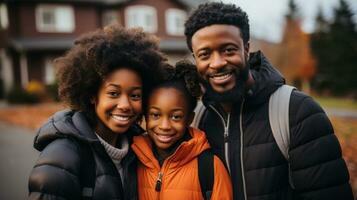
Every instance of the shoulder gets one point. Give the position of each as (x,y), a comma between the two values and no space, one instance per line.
(222,188)
(308,121)
(218,165)
(58,166)
(303,105)
(63,152)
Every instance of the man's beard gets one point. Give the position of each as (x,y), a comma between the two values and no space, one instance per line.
(236,94)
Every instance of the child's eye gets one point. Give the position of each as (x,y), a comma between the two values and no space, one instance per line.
(154,115)
(176,117)
(113,94)
(136,97)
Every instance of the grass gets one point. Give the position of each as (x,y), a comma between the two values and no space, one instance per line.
(334,102)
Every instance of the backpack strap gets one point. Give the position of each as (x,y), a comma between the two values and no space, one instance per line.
(206,173)
(199,111)
(279,117)
(279,121)
(87,174)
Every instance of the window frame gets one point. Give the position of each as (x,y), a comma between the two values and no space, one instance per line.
(4,16)
(173,14)
(56,27)
(114,14)
(141,12)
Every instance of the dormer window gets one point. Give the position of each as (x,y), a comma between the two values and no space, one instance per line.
(110,17)
(141,16)
(175,20)
(55,18)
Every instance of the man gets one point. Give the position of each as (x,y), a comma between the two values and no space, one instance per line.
(237,90)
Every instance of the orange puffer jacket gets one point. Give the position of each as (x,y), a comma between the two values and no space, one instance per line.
(179,171)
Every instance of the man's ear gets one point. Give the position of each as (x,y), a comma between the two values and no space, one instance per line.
(246,50)
(190,118)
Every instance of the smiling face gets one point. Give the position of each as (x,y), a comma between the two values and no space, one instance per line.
(167,117)
(118,103)
(220,55)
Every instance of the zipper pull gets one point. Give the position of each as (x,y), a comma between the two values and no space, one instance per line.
(158,182)
(225,138)
(226,129)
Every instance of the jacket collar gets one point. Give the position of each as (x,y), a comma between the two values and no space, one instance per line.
(74,124)
(185,152)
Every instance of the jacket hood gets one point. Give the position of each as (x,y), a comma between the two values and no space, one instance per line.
(266,79)
(69,124)
(187,150)
(64,124)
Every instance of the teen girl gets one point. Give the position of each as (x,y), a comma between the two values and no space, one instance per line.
(85,150)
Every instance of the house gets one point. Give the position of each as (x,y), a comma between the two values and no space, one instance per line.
(34,32)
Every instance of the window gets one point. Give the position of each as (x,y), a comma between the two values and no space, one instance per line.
(54,18)
(141,16)
(110,17)
(4,20)
(175,20)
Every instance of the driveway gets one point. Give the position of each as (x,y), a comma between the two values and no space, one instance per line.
(17,158)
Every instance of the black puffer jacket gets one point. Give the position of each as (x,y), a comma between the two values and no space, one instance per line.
(57,173)
(258,169)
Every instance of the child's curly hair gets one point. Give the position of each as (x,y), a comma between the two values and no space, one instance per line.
(216,13)
(183,77)
(95,55)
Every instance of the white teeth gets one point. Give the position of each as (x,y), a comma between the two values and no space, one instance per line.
(221,77)
(165,138)
(121,118)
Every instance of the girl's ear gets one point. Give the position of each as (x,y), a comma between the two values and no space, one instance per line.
(190,118)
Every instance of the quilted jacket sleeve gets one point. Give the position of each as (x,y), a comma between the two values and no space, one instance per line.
(55,175)
(222,187)
(318,170)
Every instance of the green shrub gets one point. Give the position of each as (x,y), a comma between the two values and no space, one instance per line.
(18,96)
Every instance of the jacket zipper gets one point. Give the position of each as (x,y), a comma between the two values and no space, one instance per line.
(226,134)
(159,182)
(158,185)
(241,149)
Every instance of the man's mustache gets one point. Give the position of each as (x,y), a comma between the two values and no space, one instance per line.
(226,70)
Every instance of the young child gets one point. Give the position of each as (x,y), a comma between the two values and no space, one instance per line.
(85,151)
(168,154)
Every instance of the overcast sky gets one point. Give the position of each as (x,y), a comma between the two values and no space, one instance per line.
(267,16)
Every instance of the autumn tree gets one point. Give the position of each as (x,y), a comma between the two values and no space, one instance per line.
(295,58)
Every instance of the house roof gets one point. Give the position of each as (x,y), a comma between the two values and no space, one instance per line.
(64,43)
(192,3)
(188,3)
(103,2)
(173,45)
(41,43)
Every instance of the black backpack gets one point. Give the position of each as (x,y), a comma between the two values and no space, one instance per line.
(87,174)
(206,173)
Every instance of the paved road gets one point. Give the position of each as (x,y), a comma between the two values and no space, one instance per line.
(336,112)
(17,158)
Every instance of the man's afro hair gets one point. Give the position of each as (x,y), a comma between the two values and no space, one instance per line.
(216,13)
